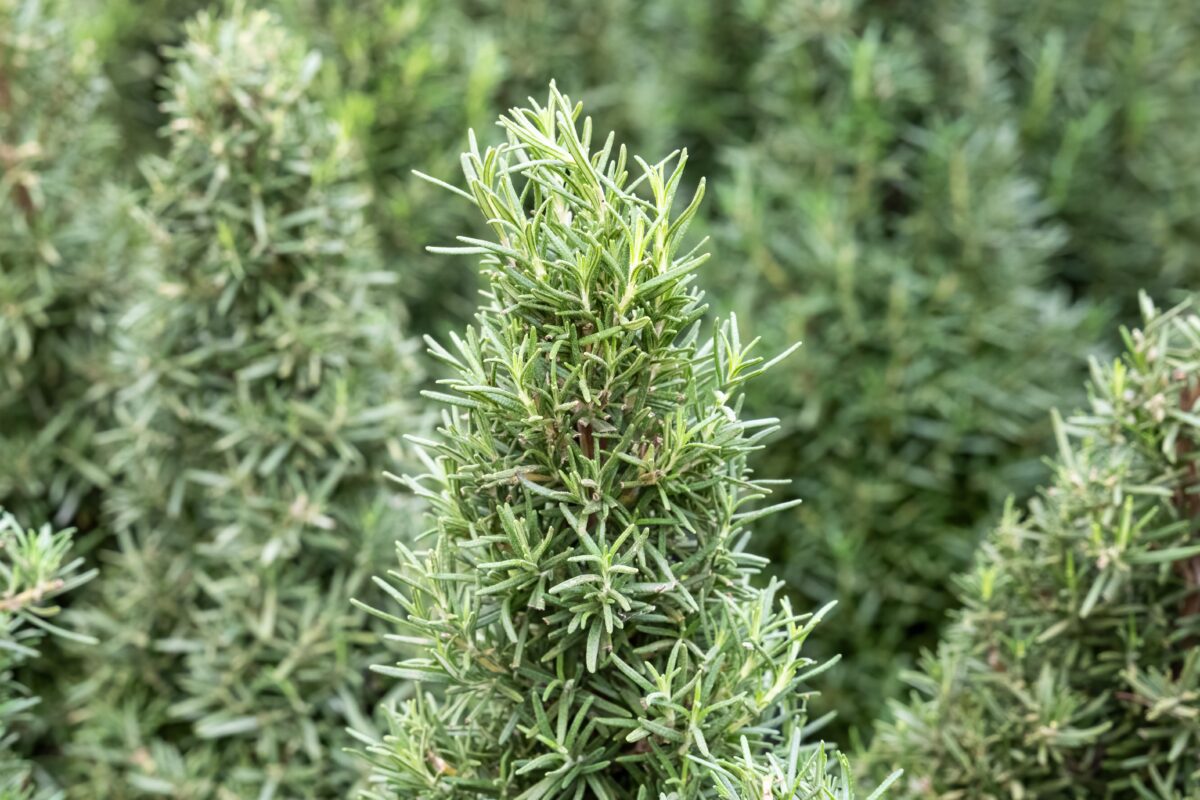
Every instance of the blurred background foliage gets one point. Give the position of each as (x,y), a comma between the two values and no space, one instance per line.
(65,237)
(949,203)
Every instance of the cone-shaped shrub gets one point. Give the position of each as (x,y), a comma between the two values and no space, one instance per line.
(266,387)
(1072,670)
(585,607)
(910,250)
(34,570)
(64,260)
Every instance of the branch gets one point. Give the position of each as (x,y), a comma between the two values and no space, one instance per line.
(18,601)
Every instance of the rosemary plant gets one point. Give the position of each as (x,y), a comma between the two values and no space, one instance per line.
(1072,670)
(585,612)
(34,570)
(266,386)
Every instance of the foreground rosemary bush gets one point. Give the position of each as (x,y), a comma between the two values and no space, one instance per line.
(585,609)
(66,258)
(1073,669)
(34,570)
(266,386)
(886,219)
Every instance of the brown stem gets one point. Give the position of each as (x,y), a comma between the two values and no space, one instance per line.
(1187,500)
(18,601)
(20,194)
(586,441)
(23,200)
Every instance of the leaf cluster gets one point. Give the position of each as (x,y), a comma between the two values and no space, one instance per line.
(35,569)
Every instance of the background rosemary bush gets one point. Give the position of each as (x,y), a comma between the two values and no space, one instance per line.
(68,253)
(1072,670)
(265,385)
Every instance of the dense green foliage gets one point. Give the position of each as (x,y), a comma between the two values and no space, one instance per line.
(34,570)
(920,174)
(585,606)
(66,256)
(407,76)
(264,393)
(937,194)
(902,240)
(1106,99)
(1072,670)
(945,201)
(407,80)
(420,72)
